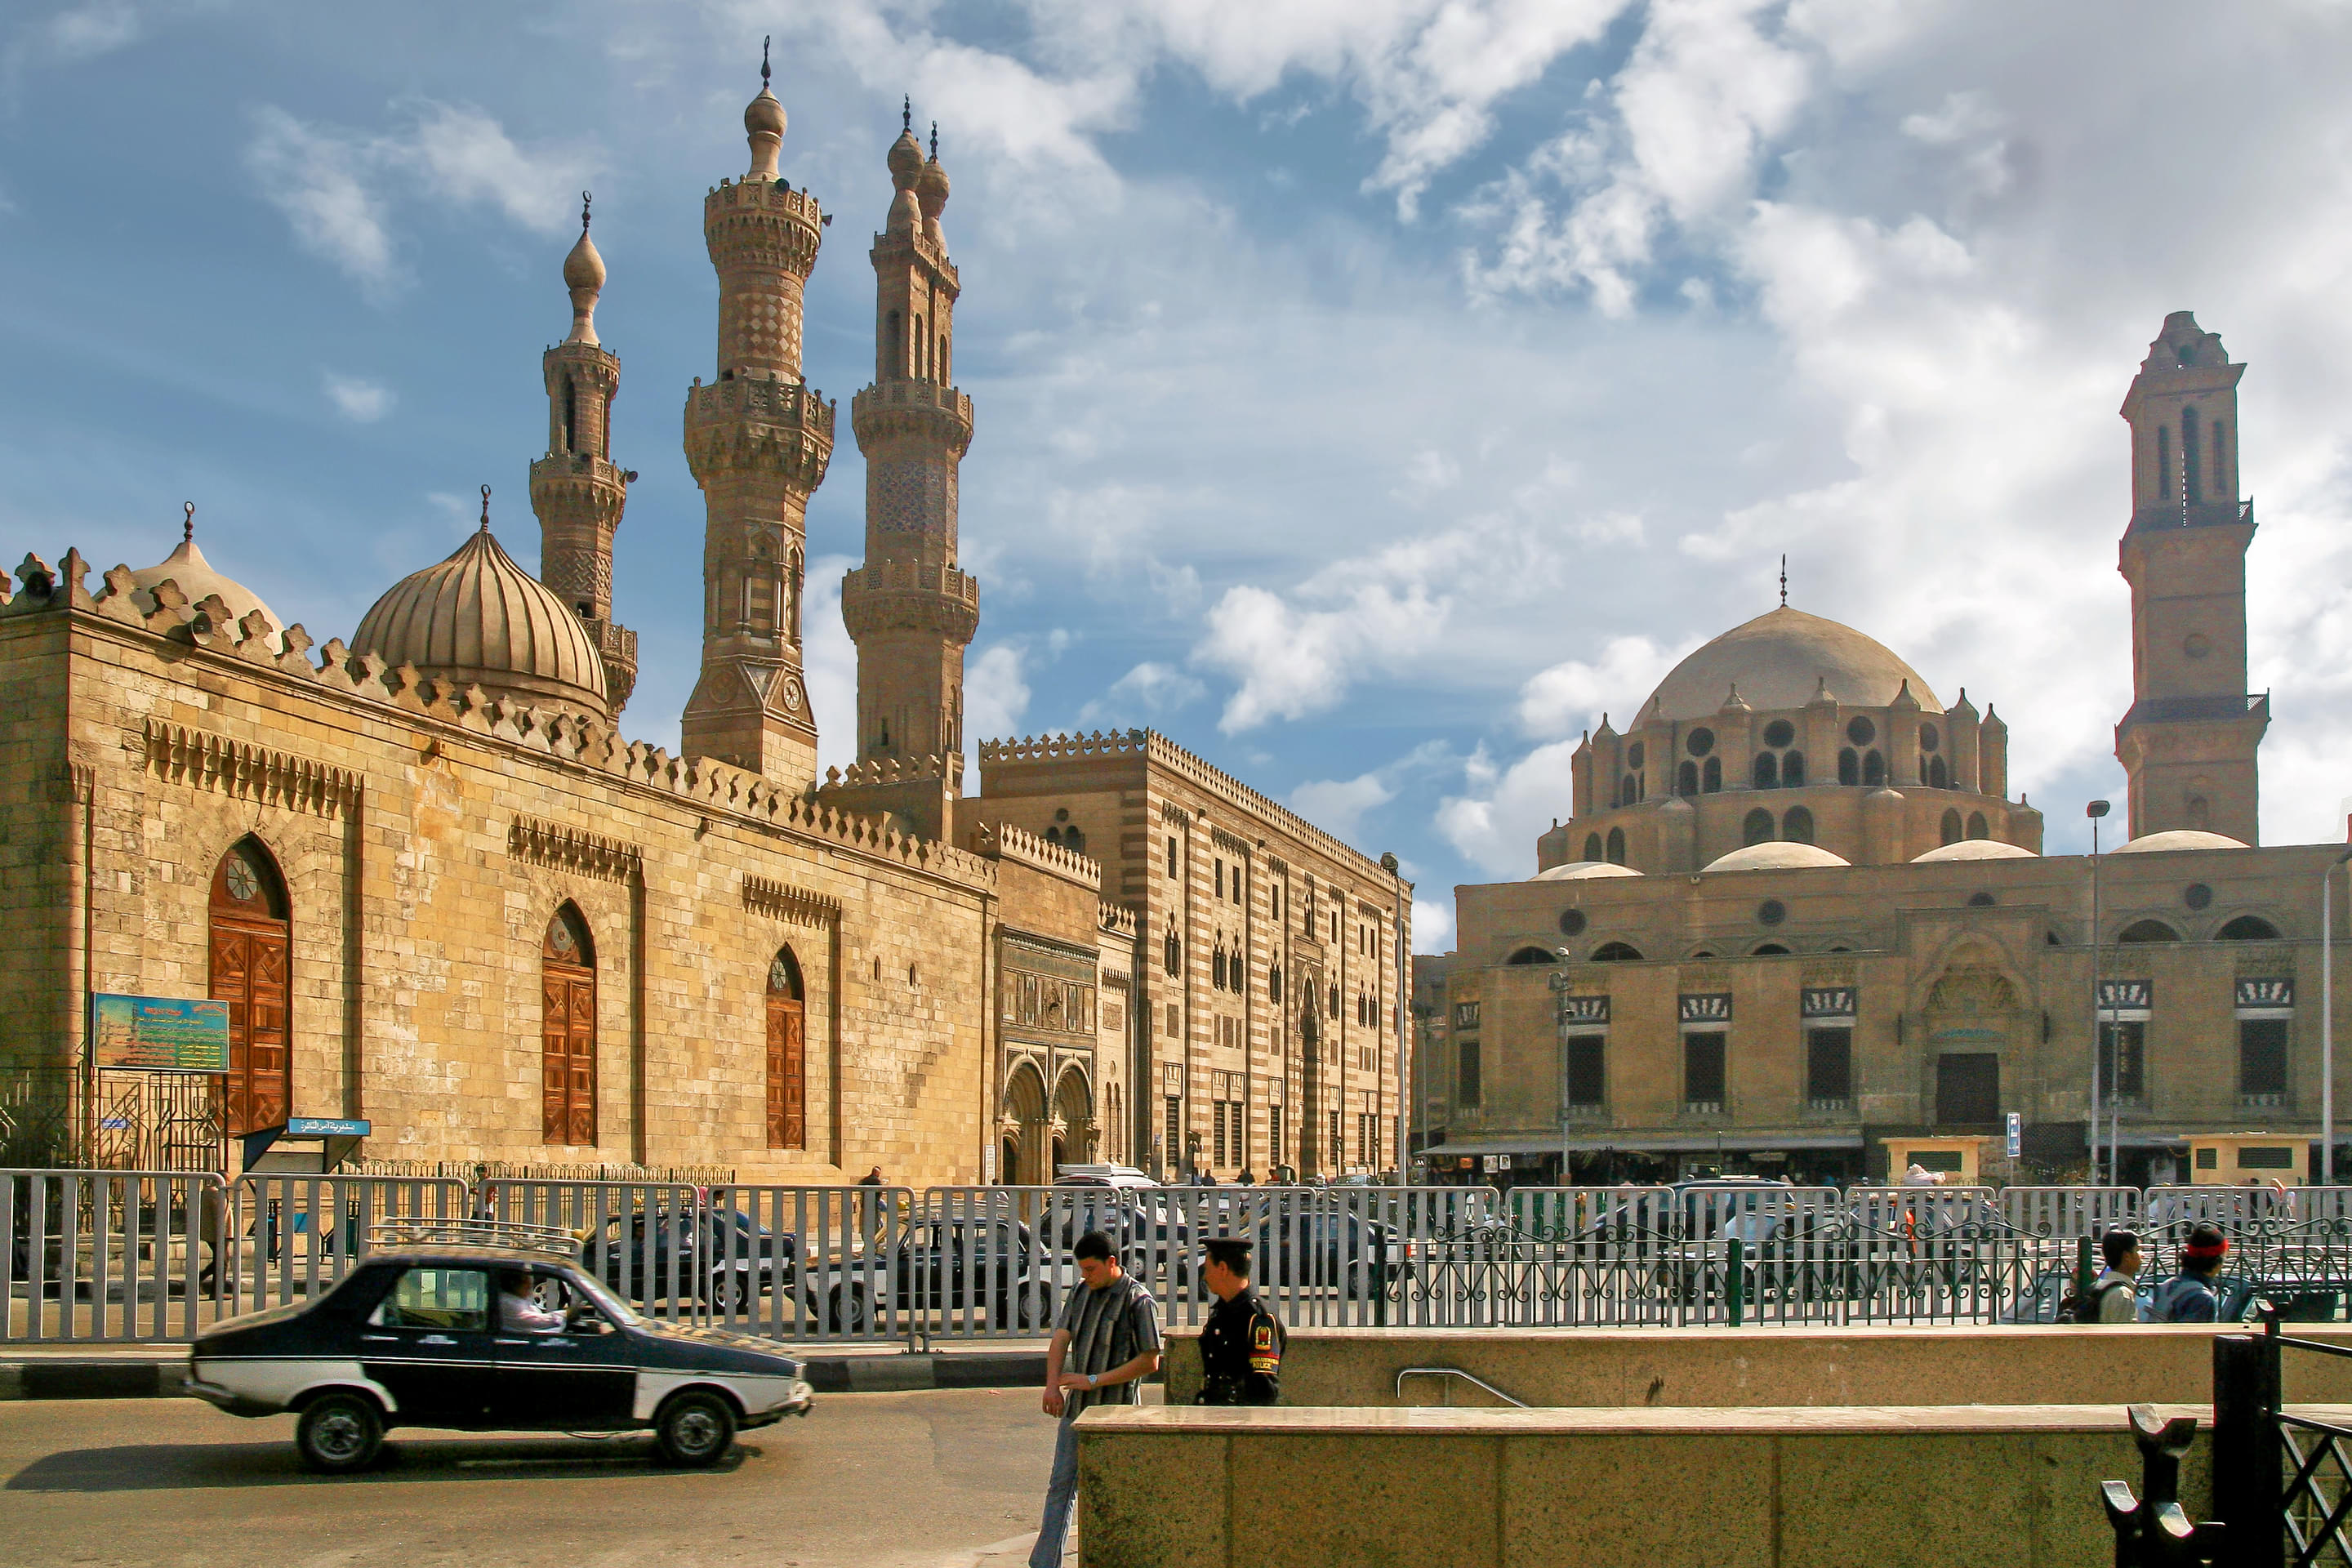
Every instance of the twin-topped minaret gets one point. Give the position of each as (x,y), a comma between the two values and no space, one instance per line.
(910,610)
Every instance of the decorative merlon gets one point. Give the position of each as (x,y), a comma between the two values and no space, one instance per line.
(1004,841)
(785,901)
(568,849)
(249,772)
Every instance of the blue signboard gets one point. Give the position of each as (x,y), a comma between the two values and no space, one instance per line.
(325,1127)
(159,1034)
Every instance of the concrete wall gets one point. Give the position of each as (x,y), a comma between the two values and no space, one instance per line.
(1731,1368)
(1773,1488)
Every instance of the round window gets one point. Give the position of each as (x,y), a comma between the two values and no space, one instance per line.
(1860,731)
(1571,922)
(243,885)
(1980,901)
(1699,742)
(2196,895)
(2197,645)
(1928,738)
(1779,732)
(1633,756)
(1772,912)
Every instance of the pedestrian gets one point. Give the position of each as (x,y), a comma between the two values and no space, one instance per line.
(872,1178)
(2115,1293)
(1107,1340)
(2192,1295)
(1242,1343)
(1249,1178)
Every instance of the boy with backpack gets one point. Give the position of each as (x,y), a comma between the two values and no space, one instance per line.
(2113,1294)
(2192,1296)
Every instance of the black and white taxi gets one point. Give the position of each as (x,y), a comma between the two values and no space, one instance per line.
(458,1333)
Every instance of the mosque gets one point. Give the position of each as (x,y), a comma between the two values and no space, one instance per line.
(450,910)
(1795,923)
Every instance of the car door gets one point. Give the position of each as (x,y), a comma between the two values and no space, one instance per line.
(581,1378)
(429,1344)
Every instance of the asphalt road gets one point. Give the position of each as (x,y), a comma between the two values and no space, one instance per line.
(869,1480)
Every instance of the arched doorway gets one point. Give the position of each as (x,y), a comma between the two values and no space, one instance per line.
(1074,1115)
(250,957)
(1024,1137)
(567,967)
(787,1054)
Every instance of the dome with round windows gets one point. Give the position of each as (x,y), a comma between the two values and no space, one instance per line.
(1782,659)
(1778,856)
(2178,838)
(1580,870)
(478,618)
(1974,849)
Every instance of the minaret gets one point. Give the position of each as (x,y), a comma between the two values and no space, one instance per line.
(576,490)
(2187,744)
(758,440)
(909,609)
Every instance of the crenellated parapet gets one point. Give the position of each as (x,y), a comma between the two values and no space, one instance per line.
(910,595)
(1002,840)
(758,428)
(912,410)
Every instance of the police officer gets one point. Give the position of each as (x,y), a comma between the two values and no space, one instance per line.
(1242,1343)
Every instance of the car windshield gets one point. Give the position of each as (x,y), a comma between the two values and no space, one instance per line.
(606,1303)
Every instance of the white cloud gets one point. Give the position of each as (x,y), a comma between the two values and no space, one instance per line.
(995,694)
(87,31)
(1573,694)
(1338,806)
(829,664)
(319,182)
(1433,925)
(1293,661)
(1148,692)
(464,156)
(360,401)
(1494,821)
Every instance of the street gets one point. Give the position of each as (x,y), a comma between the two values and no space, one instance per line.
(868,1481)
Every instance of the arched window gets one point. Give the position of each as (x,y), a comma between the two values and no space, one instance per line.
(1616,847)
(1053,835)
(2164,461)
(1593,847)
(2192,457)
(1334,1009)
(1792,769)
(897,336)
(1758,827)
(1273,983)
(570,415)
(250,960)
(1525,955)
(1712,775)
(2147,931)
(943,357)
(2248,928)
(2222,489)
(1936,774)
(567,1037)
(1977,827)
(2200,812)
(1217,970)
(1797,827)
(1615,952)
(1873,768)
(1766,773)
(1849,765)
(787,1054)
(1171,954)
(1686,779)
(1073,840)
(1952,830)
(1767,950)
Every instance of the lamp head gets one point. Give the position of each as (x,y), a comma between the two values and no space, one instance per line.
(2096,808)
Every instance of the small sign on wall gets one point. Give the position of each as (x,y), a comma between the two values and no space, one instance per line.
(159,1034)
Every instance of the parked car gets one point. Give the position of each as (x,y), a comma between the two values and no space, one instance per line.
(957,1265)
(1328,1249)
(729,1273)
(412,1337)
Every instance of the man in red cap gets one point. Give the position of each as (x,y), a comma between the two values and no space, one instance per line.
(2191,1295)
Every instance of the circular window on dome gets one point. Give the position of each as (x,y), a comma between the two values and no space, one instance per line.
(1928,738)
(1772,912)
(1779,732)
(1860,731)
(1699,742)
(1571,922)
(2197,645)
(1634,754)
(1980,900)
(2196,895)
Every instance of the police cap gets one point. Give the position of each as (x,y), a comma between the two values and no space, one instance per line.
(1233,1251)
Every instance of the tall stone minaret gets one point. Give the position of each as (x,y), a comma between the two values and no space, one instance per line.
(2187,744)
(576,490)
(909,609)
(758,440)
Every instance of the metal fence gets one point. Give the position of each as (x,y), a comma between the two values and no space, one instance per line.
(126,1254)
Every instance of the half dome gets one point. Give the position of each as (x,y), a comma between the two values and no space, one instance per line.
(1974,849)
(1778,856)
(2178,838)
(1579,870)
(187,570)
(1779,661)
(478,618)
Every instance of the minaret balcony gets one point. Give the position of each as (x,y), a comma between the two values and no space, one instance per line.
(892,410)
(910,595)
(760,424)
(763,223)
(577,465)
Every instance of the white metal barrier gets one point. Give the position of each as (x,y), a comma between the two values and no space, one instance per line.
(110,1254)
(2067,1213)
(294,1236)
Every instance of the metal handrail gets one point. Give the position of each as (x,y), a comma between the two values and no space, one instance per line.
(1466,1377)
(550,1240)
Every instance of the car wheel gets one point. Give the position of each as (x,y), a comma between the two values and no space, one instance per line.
(730,1294)
(850,1314)
(339,1433)
(694,1430)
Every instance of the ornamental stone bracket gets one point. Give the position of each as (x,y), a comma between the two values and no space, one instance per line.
(785,902)
(567,849)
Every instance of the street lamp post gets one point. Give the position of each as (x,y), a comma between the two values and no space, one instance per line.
(2095,811)
(1395,869)
(2327,1022)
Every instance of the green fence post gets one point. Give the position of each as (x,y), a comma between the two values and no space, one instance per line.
(1736,1288)
(2085,1276)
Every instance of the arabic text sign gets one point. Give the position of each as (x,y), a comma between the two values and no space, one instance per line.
(160,1034)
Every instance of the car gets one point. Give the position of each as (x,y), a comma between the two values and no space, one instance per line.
(412,1337)
(1101,1176)
(725,1258)
(958,1265)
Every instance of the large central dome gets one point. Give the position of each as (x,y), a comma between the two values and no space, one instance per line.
(1779,661)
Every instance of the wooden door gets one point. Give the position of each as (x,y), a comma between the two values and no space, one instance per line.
(249,966)
(568,1055)
(787,1074)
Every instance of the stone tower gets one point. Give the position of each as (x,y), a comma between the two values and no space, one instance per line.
(576,490)
(2187,744)
(908,608)
(758,440)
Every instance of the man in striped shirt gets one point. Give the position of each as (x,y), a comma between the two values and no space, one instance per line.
(1107,1340)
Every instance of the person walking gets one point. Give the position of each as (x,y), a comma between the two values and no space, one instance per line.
(2115,1293)
(1242,1343)
(872,1178)
(1107,1340)
(2193,1296)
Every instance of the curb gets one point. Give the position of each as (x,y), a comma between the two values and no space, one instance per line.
(123,1377)
(141,1377)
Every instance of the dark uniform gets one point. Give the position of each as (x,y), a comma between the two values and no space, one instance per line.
(1241,1354)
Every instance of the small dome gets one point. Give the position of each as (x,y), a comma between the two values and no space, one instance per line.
(478,617)
(906,158)
(1577,871)
(1974,849)
(1778,856)
(763,113)
(187,570)
(932,184)
(1780,660)
(583,269)
(2178,838)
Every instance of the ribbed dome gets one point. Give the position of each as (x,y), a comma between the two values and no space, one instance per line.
(2178,838)
(1582,870)
(1778,856)
(189,571)
(1974,849)
(478,617)
(1779,661)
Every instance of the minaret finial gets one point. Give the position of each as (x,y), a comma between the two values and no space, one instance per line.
(585,197)
(1784,581)
(763,59)
(907,114)
(188,528)
(935,140)
(485,508)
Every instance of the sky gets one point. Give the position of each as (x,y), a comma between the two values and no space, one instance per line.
(1370,393)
